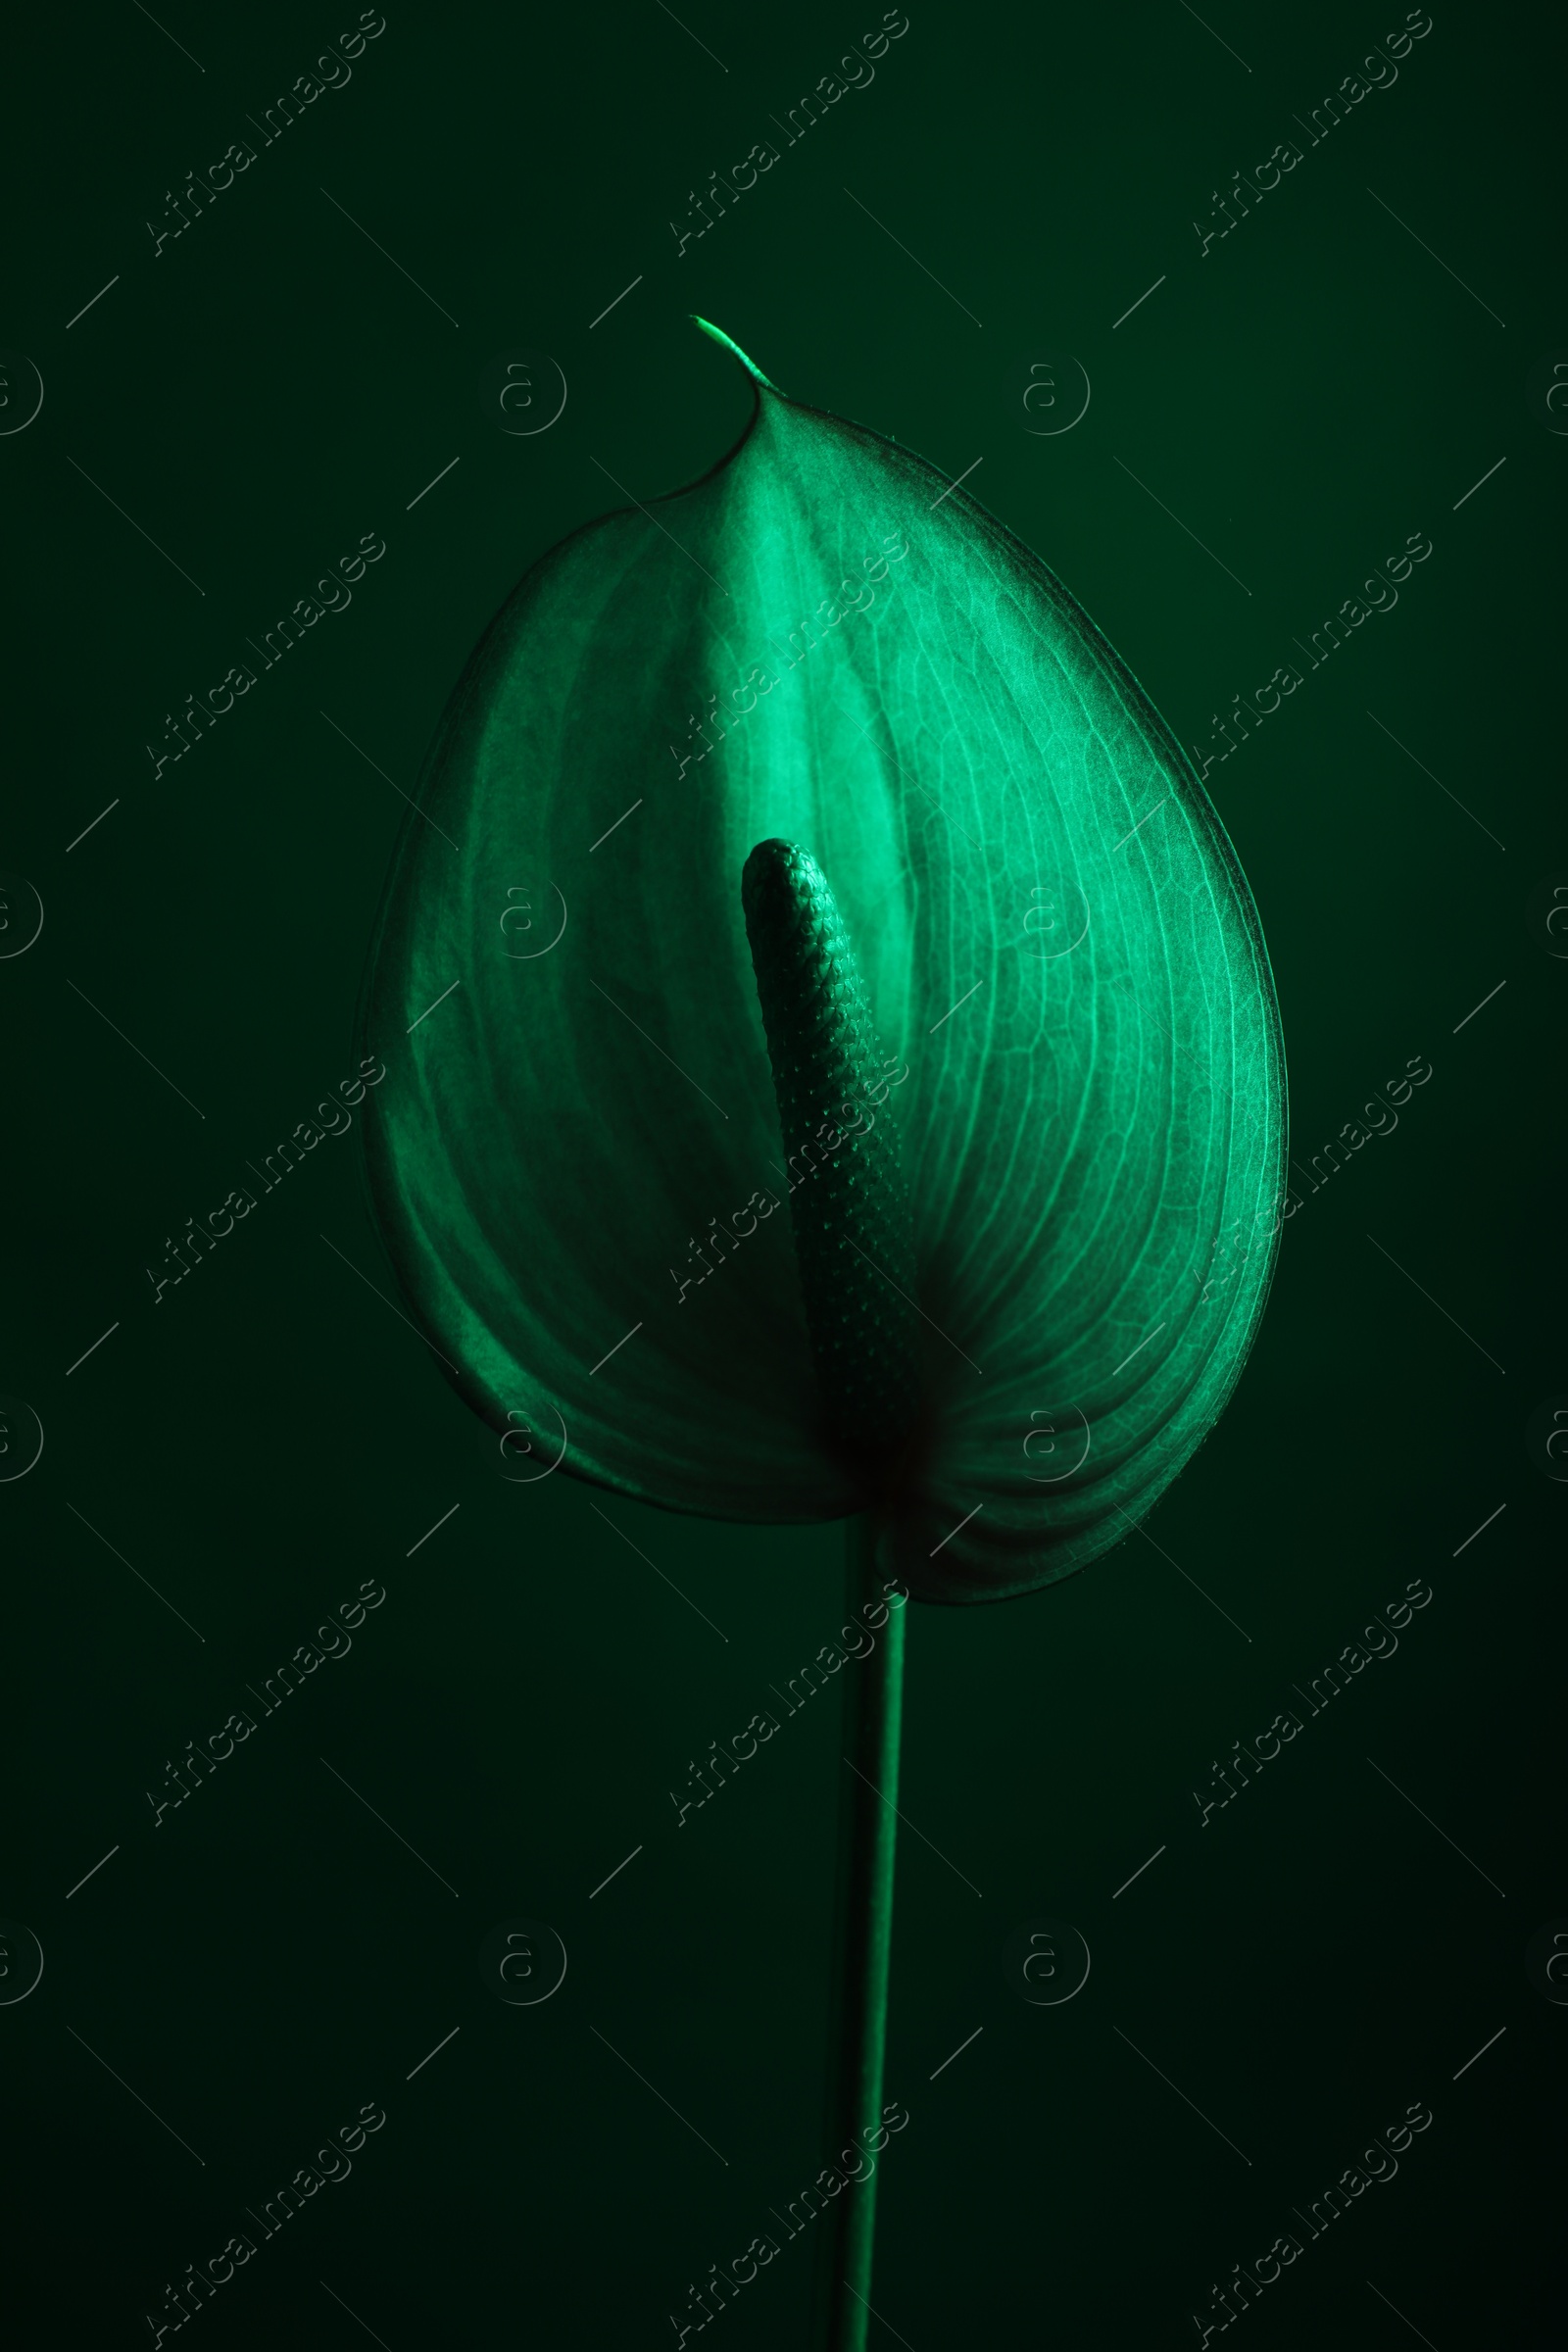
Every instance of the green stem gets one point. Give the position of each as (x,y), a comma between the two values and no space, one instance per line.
(873,1711)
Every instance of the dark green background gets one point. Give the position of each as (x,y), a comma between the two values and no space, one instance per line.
(271,388)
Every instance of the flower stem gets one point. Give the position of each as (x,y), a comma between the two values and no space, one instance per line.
(868,1822)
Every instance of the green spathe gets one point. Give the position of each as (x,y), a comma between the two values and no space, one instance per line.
(1055,939)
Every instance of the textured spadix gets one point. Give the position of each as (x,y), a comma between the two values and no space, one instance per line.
(580,1149)
(853,1242)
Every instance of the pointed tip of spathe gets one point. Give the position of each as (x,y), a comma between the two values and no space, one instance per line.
(730,345)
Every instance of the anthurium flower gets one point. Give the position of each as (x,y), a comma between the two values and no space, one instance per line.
(839,1073)
(1066,1090)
